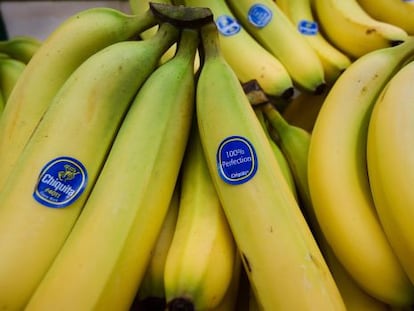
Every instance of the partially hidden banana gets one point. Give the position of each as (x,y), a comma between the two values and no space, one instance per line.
(200,260)
(247,57)
(104,259)
(395,12)
(275,242)
(11,70)
(20,47)
(71,43)
(56,171)
(151,292)
(352,30)
(300,13)
(390,163)
(270,26)
(338,179)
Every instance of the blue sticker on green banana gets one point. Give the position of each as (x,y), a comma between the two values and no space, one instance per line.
(227,25)
(236,160)
(61,182)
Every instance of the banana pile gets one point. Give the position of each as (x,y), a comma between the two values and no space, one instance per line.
(211,155)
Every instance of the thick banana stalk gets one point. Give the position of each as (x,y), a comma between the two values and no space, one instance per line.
(44,195)
(395,12)
(21,48)
(272,28)
(300,13)
(103,261)
(338,179)
(199,265)
(151,292)
(72,42)
(10,71)
(248,58)
(390,156)
(283,262)
(352,30)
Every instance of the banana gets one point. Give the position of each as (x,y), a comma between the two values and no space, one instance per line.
(200,260)
(21,47)
(72,42)
(300,13)
(338,180)
(151,292)
(275,242)
(10,71)
(270,26)
(249,59)
(390,163)
(57,169)
(104,258)
(395,12)
(352,30)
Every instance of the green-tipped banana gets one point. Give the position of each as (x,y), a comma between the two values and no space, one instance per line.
(300,13)
(21,48)
(276,245)
(338,179)
(272,28)
(151,292)
(10,71)
(52,179)
(199,265)
(103,261)
(352,30)
(390,163)
(248,58)
(71,43)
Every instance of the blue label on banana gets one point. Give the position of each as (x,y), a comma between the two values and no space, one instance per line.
(60,182)
(309,28)
(259,15)
(227,25)
(236,160)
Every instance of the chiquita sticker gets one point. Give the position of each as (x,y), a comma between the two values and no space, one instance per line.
(259,15)
(60,182)
(236,160)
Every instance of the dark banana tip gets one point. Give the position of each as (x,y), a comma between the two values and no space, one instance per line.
(396,42)
(182,16)
(180,304)
(149,304)
(288,93)
(320,89)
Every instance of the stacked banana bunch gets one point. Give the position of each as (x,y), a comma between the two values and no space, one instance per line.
(15,53)
(146,162)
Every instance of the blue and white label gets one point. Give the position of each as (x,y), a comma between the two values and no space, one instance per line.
(236,160)
(227,25)
(309,28)
(259,15)
(60,182)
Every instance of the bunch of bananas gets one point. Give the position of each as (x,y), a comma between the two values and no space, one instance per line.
(146,162)
(15,53)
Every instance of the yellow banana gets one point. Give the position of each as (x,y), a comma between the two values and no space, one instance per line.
(104,258)
(10,71)
(352,30)
(390,163)
(300,13)
(275,242)
(200,260)
(249,59)
(72,42)
(151,292)
(21,47)
(338,181)
(272,28)
(395,12)
(57,169)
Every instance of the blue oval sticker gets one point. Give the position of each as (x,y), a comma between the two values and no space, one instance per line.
(227,25)
(309,28)
(60,182)
(259,15)
(236,160)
